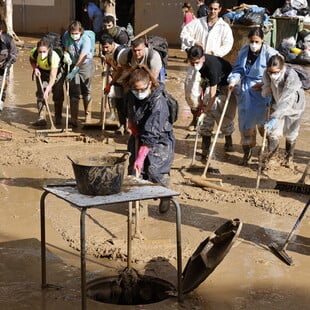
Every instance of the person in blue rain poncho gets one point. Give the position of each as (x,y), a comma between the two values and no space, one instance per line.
(288,106)
(246,80)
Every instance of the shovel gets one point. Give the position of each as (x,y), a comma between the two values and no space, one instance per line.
(203,181)
(280,250)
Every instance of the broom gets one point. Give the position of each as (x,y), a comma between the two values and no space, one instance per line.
(203,180)
(280,250)
(299,187)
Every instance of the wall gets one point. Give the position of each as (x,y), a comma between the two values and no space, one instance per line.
(167,13)
(40,16)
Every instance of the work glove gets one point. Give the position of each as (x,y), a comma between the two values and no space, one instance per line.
(46,92)
(73,73)
(37,72)
(270,125)
(201,118)
(107,89)
(138,164)
(67,59)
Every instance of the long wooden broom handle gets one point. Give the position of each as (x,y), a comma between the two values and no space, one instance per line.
(217,133)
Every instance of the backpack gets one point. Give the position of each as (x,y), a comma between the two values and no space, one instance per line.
(117,50)
(92,37)
(121,36)
(303,76)
(173,106)
(56,45)
(160,45)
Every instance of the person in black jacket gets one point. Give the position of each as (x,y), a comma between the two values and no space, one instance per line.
(152,141)
(8,55)
(202,8)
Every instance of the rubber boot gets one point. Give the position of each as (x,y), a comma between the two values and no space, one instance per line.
(41,122)
(58,105)
(247,151)
(87,109)
(112,115)
(205,145)
(289,152)
(193,123)
(273,145)
(74,111)
(121,111)
(228,146)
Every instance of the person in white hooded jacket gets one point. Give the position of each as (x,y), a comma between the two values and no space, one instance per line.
(215,36)
(288,106)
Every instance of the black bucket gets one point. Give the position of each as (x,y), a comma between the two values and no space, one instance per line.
(99,175)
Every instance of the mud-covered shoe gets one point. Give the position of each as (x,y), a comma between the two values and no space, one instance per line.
(228,146)
(40,123)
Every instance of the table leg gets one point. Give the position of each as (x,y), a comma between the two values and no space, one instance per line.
(179,248)
(83,259)
(43,241)
(129,235)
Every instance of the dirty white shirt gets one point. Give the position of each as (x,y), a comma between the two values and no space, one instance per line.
(218,41)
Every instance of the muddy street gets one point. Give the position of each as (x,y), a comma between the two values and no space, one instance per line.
(249,277)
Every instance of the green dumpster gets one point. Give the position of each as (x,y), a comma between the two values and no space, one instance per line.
(284,27)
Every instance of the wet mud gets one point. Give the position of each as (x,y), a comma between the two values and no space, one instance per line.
(249,277)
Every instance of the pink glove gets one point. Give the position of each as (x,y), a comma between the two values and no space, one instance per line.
(143,151)
(37,72)
(46,92)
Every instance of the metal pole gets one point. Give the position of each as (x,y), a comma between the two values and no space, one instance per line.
(43,242)
(179,248)
(129,235)
(83,260)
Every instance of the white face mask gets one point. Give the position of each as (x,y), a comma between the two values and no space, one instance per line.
(43,55)
(255,47)
(141,95)
(198,66)
(275,76)
(75,36)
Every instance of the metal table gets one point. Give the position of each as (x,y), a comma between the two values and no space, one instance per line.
(130,194)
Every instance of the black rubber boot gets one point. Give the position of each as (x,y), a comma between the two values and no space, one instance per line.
(228,146)
(205,145)
(74,111)
(58,105)
(247,154)
(289,152)
(193,123)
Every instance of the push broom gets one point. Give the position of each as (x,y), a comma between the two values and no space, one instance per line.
(203,180)
(280,250)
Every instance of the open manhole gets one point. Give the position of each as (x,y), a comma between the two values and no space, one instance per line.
(131,288)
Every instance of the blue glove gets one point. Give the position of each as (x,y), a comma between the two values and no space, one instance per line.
(73,73)
(67,59)
(270,125)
